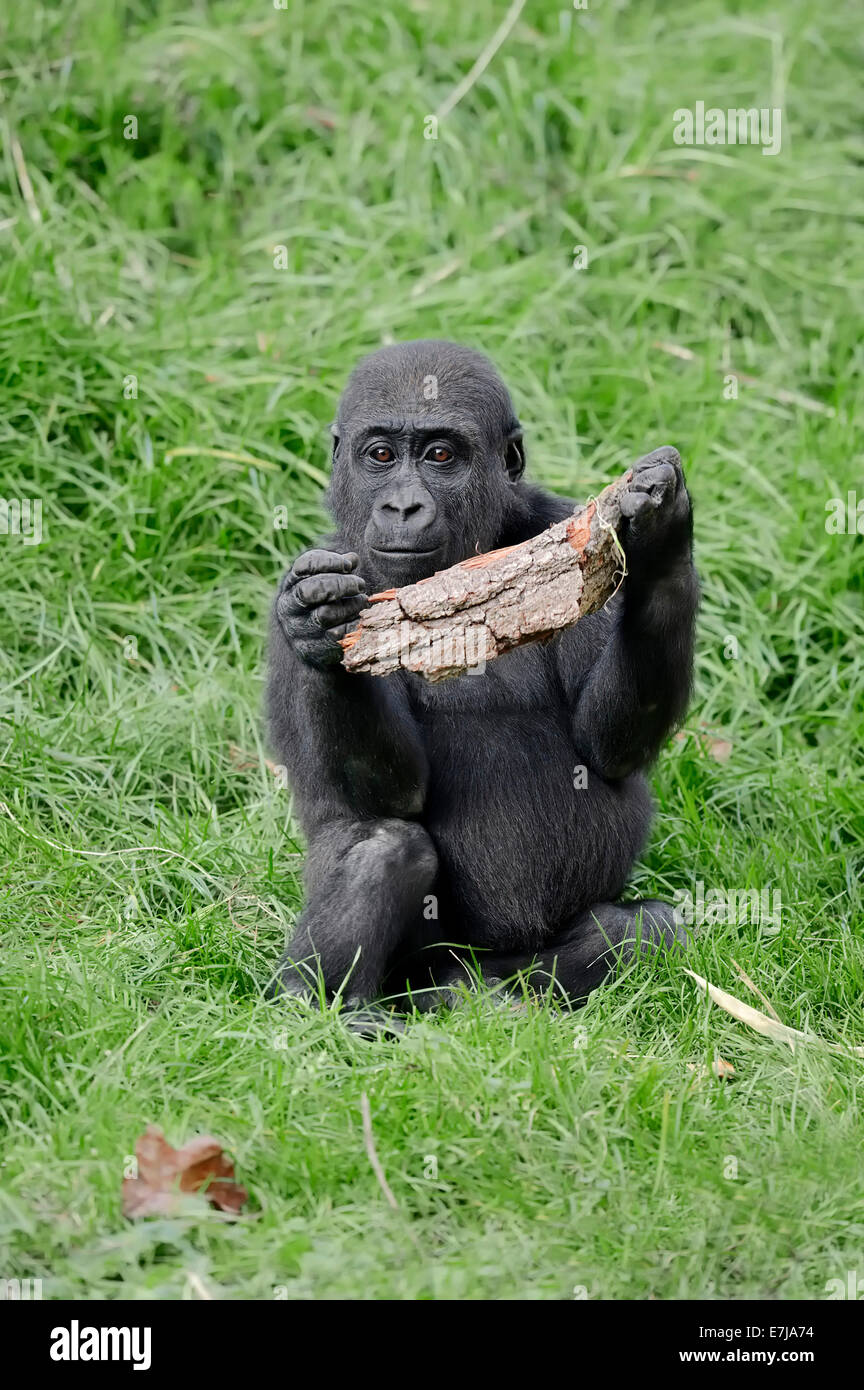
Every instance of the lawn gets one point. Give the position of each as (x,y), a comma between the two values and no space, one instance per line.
(167,376)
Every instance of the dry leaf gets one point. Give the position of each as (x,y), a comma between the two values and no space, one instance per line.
(243,761)
(719,1067)
(754,1018)
(166,1174)
(322,117)
(720,749)
(754,989)
(769,1027)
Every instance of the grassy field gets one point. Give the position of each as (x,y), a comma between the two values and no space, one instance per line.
(165,388)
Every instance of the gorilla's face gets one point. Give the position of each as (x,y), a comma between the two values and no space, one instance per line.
(413,471)
(427,451)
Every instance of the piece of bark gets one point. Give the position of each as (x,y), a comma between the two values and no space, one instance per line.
(457,619)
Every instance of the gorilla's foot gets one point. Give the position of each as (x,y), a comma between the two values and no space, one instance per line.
(581,956)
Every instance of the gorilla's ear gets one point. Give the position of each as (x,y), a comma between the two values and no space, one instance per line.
(334,430)
(514,457)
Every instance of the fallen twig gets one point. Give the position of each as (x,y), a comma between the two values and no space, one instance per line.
(369,1142)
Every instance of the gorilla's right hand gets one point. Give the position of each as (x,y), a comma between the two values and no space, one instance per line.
(319,599)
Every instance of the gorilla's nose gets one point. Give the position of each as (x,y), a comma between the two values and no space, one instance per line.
(405,511)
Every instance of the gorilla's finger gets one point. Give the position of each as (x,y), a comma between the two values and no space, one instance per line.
(327,588)
(325,562)
(301,625)
(330,615)
(663,477)
(634,504)
(665,454)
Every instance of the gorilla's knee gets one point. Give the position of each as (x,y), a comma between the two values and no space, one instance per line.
(399,847)
(660,928)
(647,927)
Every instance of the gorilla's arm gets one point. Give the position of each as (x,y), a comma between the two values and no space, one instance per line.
(637,687)
(349,742)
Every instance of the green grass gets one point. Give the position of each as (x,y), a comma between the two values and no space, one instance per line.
(150,877)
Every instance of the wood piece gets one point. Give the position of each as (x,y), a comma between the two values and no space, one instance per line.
(458,619)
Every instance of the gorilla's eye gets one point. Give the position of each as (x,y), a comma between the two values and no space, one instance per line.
(439,454)
(381,453)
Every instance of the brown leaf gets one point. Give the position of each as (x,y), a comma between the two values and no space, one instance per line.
(719,1068)
(243,761)
(720,749)
(166,1174)
(322,117)
(240,759)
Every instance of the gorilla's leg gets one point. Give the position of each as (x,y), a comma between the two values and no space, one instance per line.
(365,884)
(579,958)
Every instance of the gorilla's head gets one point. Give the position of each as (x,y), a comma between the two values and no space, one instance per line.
(427,458)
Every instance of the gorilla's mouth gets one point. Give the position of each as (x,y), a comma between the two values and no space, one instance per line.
(419,554)
(398,565)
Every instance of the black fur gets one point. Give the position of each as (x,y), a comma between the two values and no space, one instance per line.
(451,813)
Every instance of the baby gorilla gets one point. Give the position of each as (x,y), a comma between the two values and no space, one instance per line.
(487,823)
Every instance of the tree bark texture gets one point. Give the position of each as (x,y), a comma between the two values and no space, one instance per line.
(460,618)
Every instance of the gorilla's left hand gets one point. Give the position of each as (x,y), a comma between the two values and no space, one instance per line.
(658,526)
